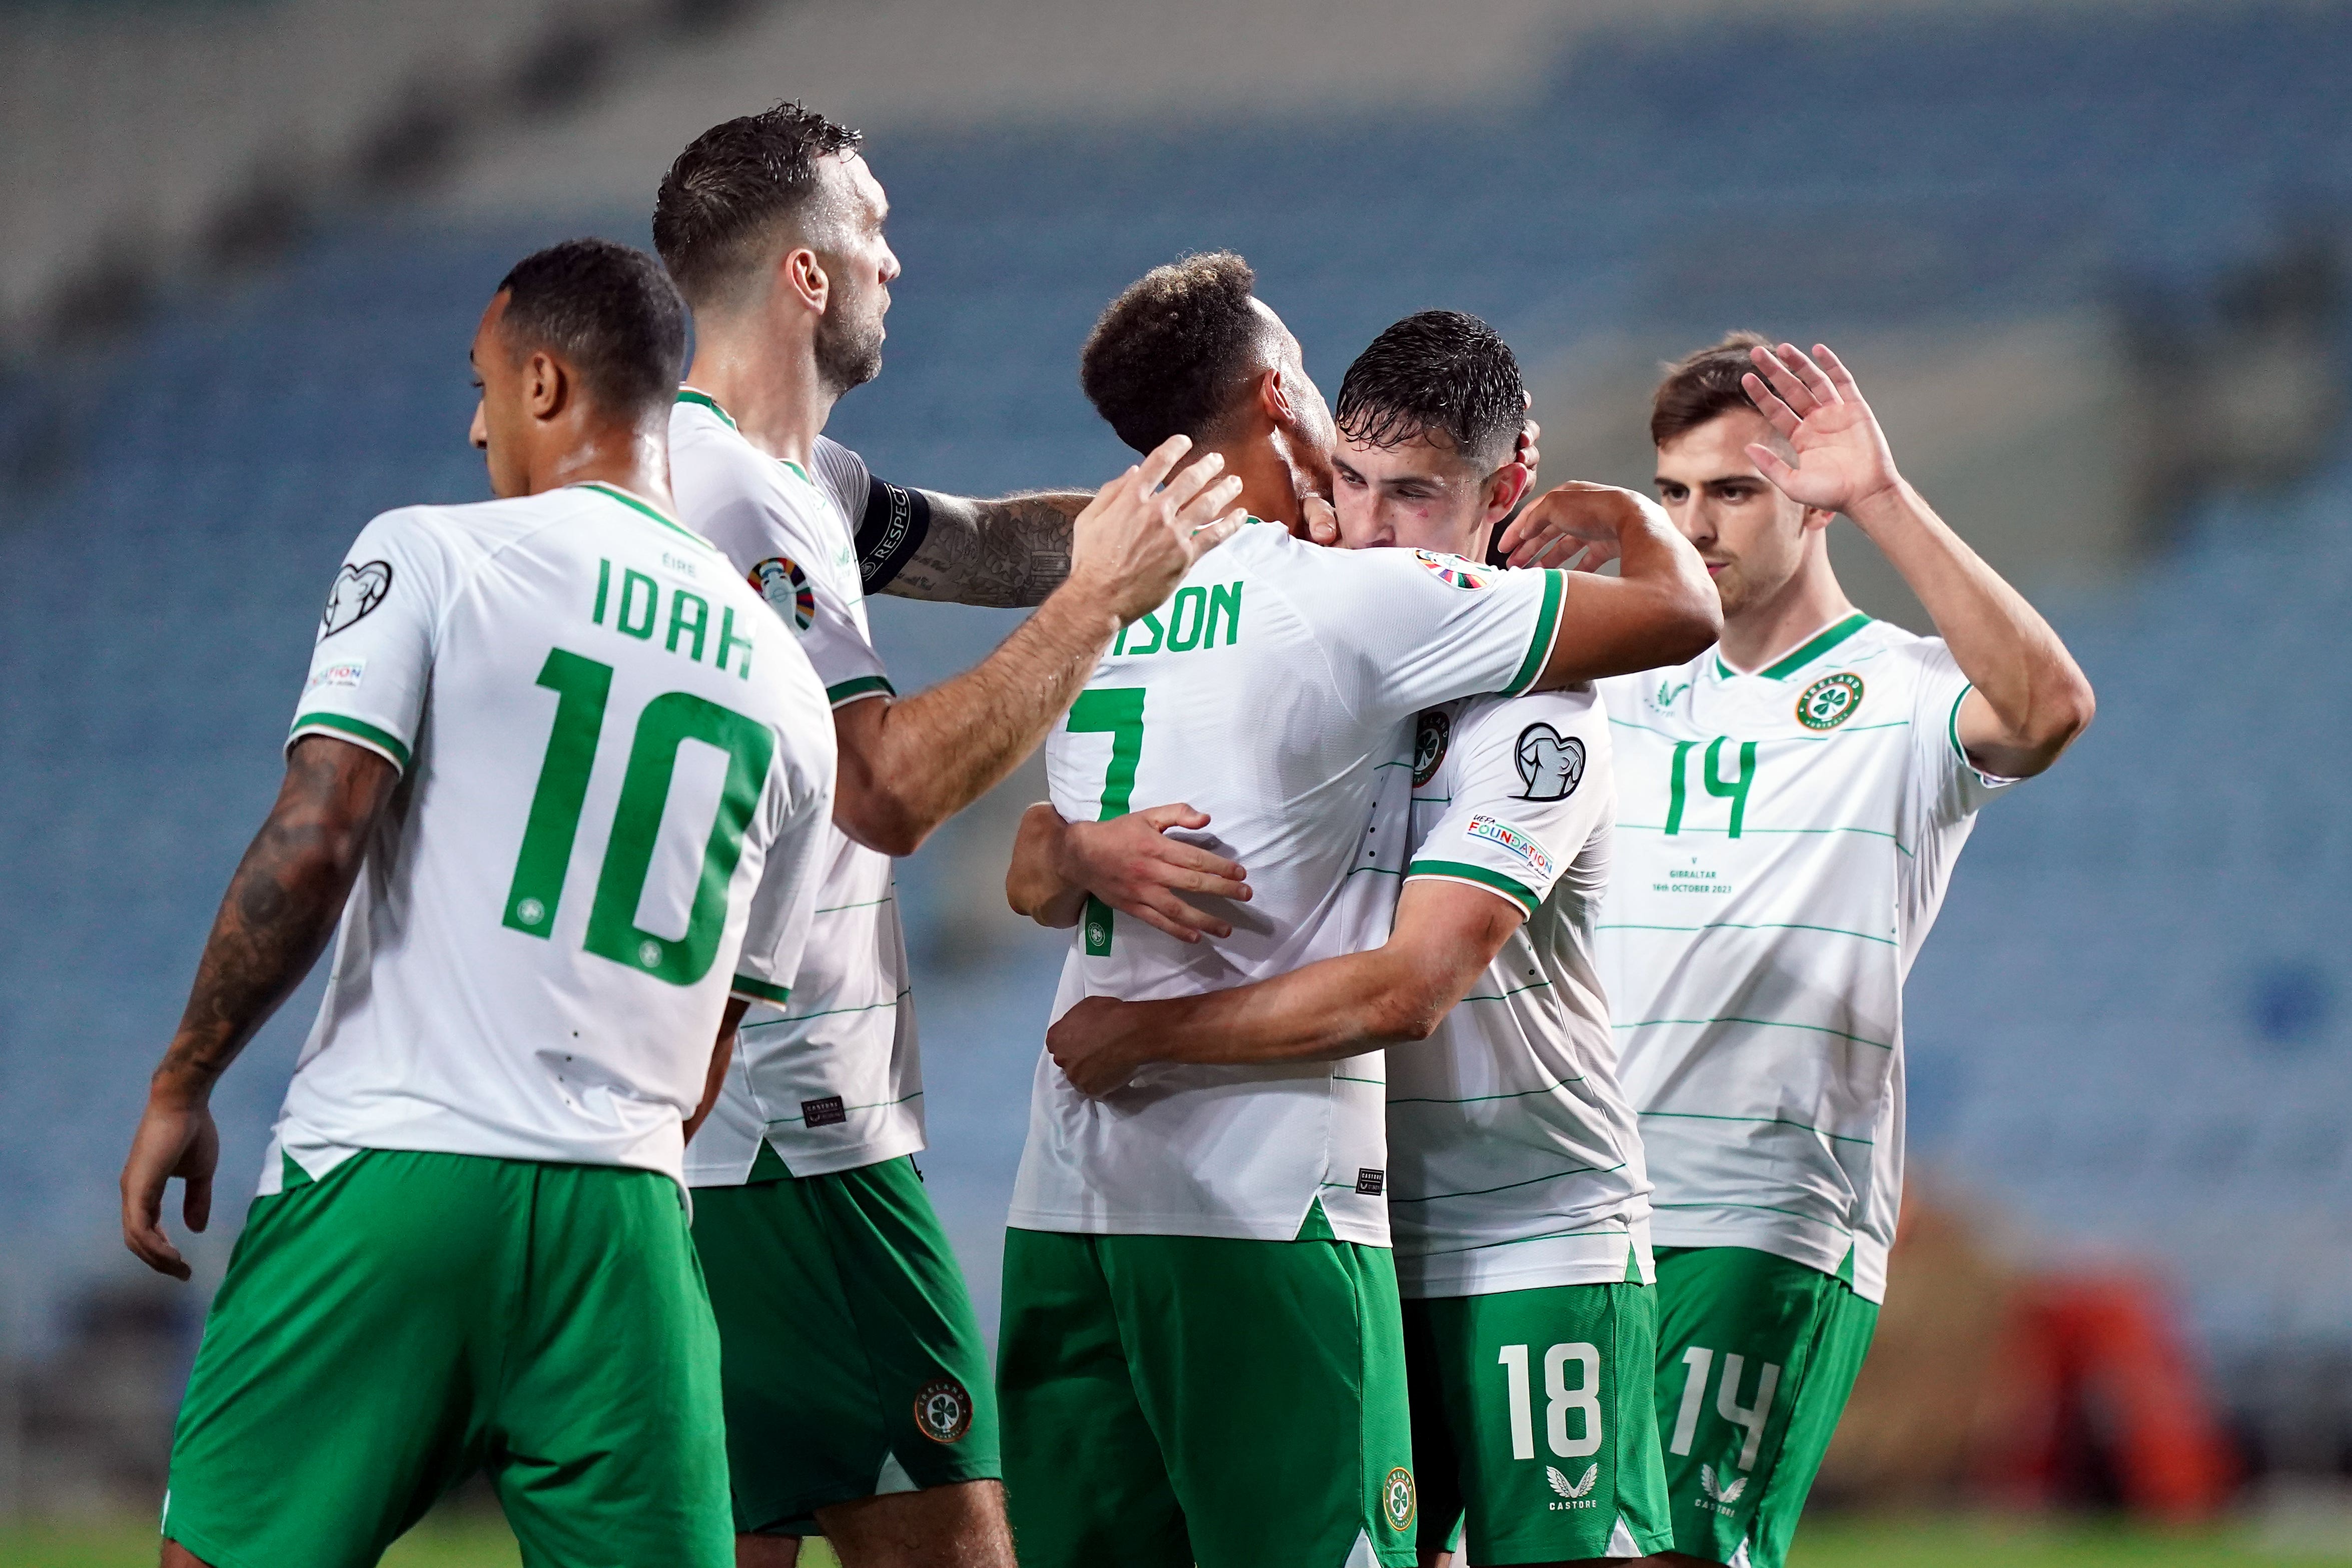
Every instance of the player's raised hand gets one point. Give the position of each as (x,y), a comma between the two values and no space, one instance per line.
(1578,515)
(1142,531)
(175,1139)
(1130,864)
(1094,1046)
(1843,458)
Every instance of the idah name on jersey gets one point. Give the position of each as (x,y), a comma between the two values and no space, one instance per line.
(526,984)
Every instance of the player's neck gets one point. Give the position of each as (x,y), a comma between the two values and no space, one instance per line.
(776,399)
(1762,634)
(1269,483)
(635,459)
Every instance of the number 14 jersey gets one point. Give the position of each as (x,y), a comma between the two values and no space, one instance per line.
(616,766)
(1784,839)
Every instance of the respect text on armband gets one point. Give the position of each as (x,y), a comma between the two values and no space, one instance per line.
(633,604)
(1191,620)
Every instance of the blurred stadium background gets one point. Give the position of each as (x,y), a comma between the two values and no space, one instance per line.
(2089,259)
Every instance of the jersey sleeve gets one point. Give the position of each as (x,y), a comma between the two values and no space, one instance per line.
(776,533)
(891,521)
(1531,783)
(372,663)
(1944,786)
(783,905)
(1407,629)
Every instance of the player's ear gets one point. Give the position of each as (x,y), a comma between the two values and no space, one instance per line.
(546,385)
(804,275)
(1505,488)
(1815,518)
(1273,397)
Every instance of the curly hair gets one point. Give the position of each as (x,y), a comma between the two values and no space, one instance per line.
(1171,354)
(722,200)
(1436,370)
(1704,386)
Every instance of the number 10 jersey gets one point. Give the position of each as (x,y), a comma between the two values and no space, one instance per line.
(615,768)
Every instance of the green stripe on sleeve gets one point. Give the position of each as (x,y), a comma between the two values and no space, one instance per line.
(1547,631)
(863,686)
(352,729)
(761,991)
(1463,871)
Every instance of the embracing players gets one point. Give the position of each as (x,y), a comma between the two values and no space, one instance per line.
(1514,1178)
(1202,1357)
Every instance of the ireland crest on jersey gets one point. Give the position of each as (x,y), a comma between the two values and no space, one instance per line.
(1829,702)
(1397,1500)
(1429,739)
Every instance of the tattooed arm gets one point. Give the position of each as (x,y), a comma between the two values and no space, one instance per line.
(1007,553)
(281,907)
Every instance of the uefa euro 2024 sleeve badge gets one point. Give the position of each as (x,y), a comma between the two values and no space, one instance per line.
(780,581)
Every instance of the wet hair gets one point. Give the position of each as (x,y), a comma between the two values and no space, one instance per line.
(1704,386)
(609,311)
(734,187)
(1437,371)
(1172,354)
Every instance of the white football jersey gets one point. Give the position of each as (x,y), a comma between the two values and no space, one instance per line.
(1783,843)
(1513,1157)
(617,769)
(833,1081)
(1269,691)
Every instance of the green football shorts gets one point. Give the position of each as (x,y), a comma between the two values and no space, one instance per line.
(410,1318)
(853,1364)
(1172,1400)
(1755,1356)
(1534,1418)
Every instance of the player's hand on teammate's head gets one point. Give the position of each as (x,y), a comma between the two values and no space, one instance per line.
(1142,531)
(1319,523)
(1091,1044)
(1130,864)
(173,1139)
(1813,402)
(1576,516)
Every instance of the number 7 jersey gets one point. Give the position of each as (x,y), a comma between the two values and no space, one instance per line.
(1273,690)
(615,768)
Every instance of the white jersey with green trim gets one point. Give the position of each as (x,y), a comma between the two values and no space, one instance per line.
(1514,1160)
(616,771)
(833,1081)
(1783,843)
(1270,692)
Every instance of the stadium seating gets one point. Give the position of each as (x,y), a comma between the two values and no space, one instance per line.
(2130,1030)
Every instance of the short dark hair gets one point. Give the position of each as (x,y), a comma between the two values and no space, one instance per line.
(609,310)
(724,198)
(1704,386)
(1436,370)
(1171,354)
